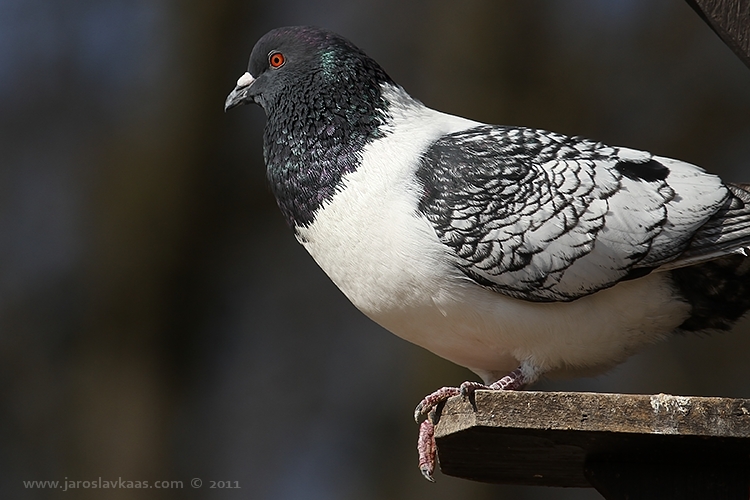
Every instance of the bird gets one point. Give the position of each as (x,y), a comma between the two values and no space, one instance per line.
(512,251)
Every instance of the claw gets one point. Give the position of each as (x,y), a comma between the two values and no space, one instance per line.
(468,388)
(427,473)
(418,412)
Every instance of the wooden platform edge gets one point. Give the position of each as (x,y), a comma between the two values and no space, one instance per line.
(582,411)
(574,439)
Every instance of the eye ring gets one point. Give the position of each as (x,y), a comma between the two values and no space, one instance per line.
(276,59)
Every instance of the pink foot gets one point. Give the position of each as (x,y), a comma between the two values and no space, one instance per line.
(426,446)
(426,449)
(432,400)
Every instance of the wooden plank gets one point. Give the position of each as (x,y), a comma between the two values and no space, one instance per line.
(730,19)
(557,438)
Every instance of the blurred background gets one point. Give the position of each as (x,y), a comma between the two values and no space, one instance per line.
(157,318)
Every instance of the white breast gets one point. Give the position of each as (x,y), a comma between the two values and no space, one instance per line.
(369,238)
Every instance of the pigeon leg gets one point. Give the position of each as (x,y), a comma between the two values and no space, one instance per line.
(426,446)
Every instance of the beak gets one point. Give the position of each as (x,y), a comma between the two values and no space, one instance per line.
(239,94)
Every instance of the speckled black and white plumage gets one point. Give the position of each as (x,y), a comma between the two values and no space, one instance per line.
(529,213)
(495,247)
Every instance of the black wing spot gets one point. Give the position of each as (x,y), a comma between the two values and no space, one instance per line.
(649,171)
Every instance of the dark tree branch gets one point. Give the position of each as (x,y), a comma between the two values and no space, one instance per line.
(730,19)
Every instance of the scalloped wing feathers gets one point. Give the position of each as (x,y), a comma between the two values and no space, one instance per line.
(545,217)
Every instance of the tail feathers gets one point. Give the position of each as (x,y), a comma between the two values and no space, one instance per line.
(717,291)
(713,273)
(725,233)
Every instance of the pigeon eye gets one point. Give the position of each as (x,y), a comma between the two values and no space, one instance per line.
(276,59)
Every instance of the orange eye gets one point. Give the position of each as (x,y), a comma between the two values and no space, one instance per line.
(276,59)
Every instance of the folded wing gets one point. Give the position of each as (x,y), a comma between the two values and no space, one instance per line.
(544,217)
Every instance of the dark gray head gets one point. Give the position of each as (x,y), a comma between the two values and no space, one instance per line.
(302,61)
(324,103)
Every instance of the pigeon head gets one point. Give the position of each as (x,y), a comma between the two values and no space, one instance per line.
(303,64)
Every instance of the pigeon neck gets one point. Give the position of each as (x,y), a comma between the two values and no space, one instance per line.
(312,140)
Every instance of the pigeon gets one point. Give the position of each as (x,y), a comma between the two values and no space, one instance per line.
(512,251)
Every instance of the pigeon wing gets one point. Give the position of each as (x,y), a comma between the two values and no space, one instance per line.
(545,217)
